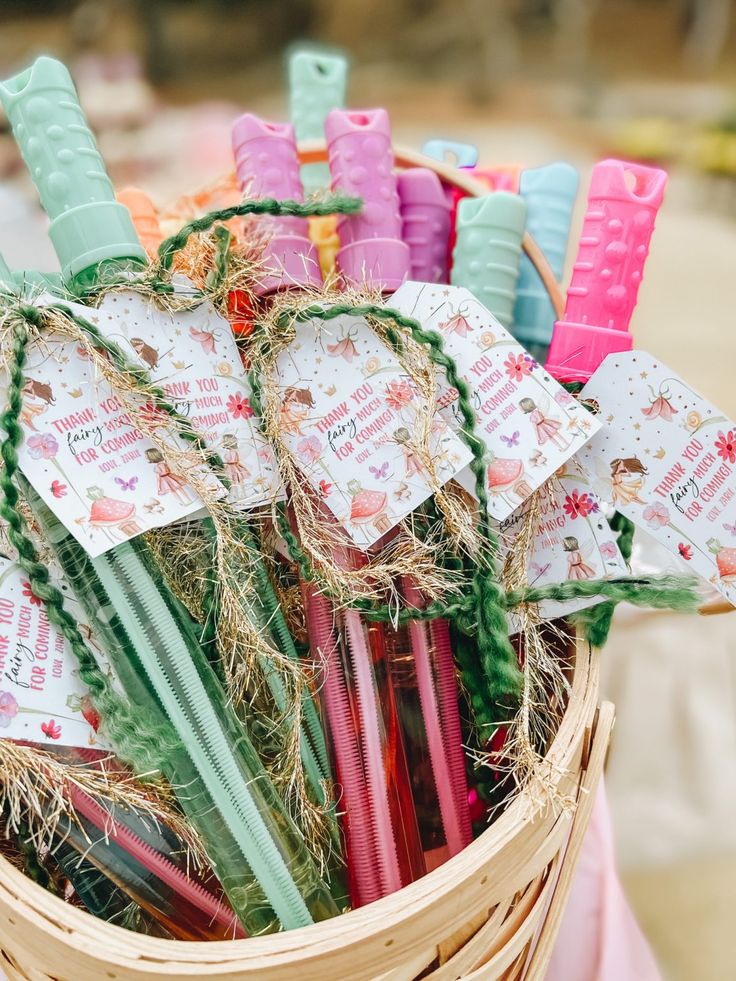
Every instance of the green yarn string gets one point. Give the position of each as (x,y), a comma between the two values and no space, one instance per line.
(493,680)
(336,204)
(141,746)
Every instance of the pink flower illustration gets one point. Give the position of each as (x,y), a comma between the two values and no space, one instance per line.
(656,515)
(563,397)
(8,709)
(50,729)
(42,446)
(325,488)
(239,407)
(578,505)
(517,366)
(30,595)
(685,551)
(309,449)
(726,446)
(58,489)
(398,394)
(608,550)
(660,407)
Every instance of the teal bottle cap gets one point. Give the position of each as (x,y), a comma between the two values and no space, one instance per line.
(317,84)
(88,225)
(488,250)
(549,193)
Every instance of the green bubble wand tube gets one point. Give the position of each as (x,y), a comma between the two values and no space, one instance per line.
(255,849)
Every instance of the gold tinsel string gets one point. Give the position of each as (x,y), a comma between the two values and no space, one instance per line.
(248,649)
(405,554)
(35,795)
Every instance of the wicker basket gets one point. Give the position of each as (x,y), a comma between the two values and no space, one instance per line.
(491,912)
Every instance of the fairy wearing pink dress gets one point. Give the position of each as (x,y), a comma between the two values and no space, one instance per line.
(235,471)
(627,479)
(546,428)
(166,481)
(576,567)
(412,461)
(294,409)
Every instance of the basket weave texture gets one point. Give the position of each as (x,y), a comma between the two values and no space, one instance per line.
(490,912)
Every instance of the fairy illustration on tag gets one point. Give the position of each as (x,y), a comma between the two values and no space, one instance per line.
(577,568)
(294,409)
(235,471)
(627,480)
(547,428)
(37,397)
(167,482)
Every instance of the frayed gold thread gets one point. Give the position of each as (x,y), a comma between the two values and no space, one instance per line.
(326,544)
(35,795)
(249,654)
(523,761)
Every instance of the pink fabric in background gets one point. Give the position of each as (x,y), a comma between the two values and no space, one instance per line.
(599,939)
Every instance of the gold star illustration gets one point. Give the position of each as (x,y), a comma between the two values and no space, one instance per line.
(637,426)
(644,375)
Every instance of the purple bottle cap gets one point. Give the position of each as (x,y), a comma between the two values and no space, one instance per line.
(267,166)
(361,163)
(425,214)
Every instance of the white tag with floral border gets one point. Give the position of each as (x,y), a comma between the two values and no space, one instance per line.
(529,423)
(193,356)
(97,472)
(349,415)
(42,698)
(573,542)
(666,458)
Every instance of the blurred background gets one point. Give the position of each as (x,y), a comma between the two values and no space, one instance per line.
(528,82)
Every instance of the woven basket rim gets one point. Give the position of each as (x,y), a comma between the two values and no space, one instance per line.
(74,927)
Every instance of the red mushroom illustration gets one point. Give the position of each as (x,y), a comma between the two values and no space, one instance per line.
(369,507)
(109,513)
(725,561)
(507,475)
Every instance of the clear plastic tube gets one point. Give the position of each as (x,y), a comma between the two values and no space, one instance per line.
(255,849)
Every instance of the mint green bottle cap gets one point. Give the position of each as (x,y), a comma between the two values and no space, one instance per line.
(88,226)
(488,250)
(317,84)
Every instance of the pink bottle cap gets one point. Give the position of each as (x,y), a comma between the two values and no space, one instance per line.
(361,163)
(425,215)
(267,166)
(623,201)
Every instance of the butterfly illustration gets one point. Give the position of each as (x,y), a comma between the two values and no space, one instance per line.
(126,485)
(153,506)
(538,570)
(206,338)
(731,529)
(380,473)
(512,440)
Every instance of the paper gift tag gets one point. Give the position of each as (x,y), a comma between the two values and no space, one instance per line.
(573,541)
(529,423)
(42,698)
(101,477)
(192,355)
(666,459)
(349,415)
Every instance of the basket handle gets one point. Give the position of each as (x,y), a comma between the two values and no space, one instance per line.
(597,753)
